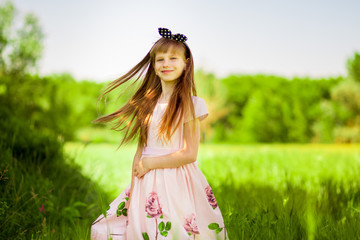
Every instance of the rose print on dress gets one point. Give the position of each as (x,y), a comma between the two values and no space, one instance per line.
(153,210)
(210,197)
(153,207)
(190,225)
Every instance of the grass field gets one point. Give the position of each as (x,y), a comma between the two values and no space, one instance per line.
(264,191)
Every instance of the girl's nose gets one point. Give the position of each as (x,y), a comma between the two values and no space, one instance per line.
(166,62)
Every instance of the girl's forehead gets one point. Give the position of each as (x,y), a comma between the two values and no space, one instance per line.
(172,50)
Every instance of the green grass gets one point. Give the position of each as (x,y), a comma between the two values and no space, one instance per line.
(44,197)
(264,191)
(110,168)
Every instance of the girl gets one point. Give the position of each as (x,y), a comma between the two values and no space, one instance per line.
(169,197)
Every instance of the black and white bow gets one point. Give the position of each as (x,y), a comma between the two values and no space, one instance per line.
(166,33)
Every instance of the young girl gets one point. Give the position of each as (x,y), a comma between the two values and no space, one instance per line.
(169,197)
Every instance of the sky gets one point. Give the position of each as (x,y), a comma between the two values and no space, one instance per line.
(102,39)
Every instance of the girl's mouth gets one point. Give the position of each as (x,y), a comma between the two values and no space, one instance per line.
(166,71)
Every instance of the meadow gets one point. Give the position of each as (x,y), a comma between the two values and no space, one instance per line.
(265,191)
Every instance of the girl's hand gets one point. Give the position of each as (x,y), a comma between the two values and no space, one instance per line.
(141,167)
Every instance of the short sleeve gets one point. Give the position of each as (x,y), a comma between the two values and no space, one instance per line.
(200,108)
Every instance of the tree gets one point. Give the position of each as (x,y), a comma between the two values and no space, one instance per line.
(23,49)
(347,95)
(353,67)
(19,55)
(6,19)
(346,104)
(22,93)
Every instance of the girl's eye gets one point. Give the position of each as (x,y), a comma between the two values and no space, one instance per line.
(159,60)
(173,58)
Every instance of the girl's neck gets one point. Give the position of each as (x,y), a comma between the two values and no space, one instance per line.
(167,90)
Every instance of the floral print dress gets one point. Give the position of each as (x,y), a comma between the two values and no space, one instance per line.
(170,203)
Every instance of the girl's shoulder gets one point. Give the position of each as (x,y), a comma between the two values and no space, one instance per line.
(200,108)
(197,100)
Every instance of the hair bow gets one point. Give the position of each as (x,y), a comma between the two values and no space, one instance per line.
(166,33)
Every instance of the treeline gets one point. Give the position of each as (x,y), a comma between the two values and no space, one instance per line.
(273,109)
(260,108)
(243,108)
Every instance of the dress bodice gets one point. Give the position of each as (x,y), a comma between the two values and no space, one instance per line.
(154,143)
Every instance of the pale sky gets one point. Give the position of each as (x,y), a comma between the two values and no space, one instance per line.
(102,39)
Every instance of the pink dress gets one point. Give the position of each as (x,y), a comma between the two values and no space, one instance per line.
(170,203)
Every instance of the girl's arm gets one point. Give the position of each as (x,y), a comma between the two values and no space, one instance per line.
(184,156)
(135,162)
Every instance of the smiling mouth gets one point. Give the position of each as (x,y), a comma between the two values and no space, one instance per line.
(167,71)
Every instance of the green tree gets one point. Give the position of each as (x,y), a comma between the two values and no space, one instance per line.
(347,95)
(297,129)
(19,55)
(6,19)
(263,118)
(353,67)
(270,108)
(49,104)
(339,117)
(245,101)
(24,48)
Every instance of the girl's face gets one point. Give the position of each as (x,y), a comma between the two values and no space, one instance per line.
(170,65)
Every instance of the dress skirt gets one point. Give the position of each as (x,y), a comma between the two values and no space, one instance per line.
(170,203)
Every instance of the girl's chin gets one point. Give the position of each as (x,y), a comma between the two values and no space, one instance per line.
(168,79)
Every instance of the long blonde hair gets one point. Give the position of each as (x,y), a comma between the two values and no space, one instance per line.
(134,117)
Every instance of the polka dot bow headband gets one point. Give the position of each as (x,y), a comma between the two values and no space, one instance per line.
(166,33)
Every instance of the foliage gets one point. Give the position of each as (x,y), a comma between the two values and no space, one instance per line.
(347,96)
(66,105)
(38,100)
(341,115)
(273,109)
(353,67)
(26,47)
(23,49)
(6,18)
